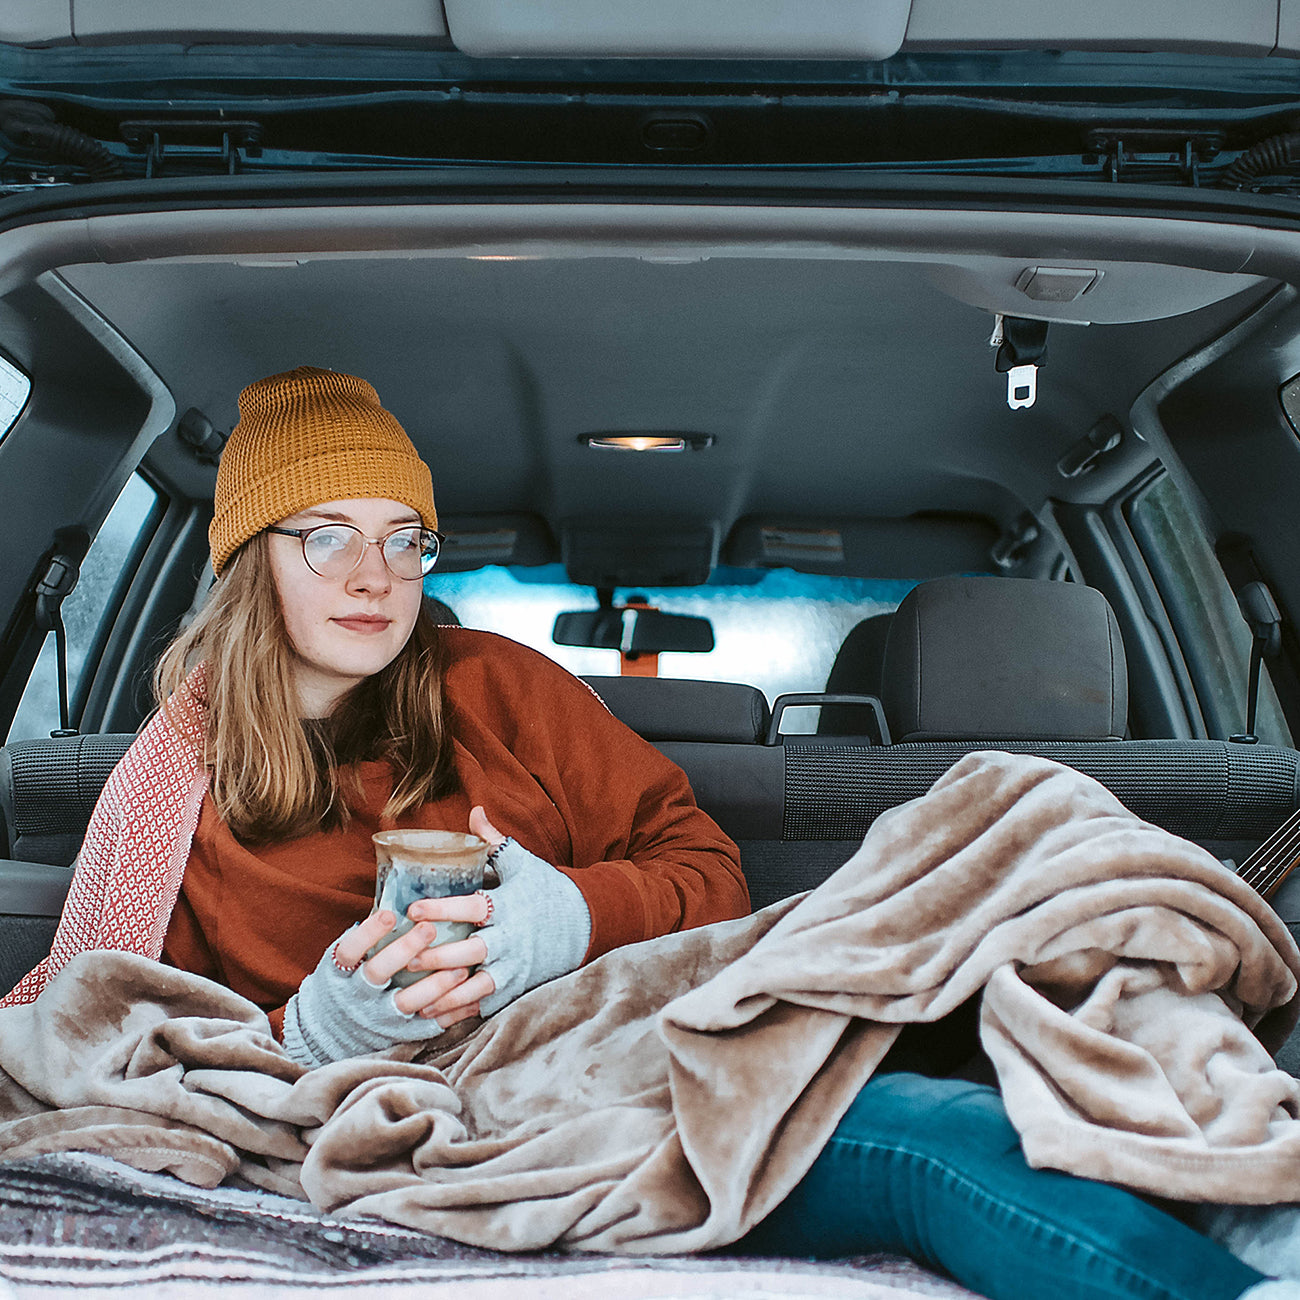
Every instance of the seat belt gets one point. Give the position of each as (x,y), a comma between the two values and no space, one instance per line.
(1022,349)
(60,577)
(1260,611)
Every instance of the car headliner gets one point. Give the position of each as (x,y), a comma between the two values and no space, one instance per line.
(839,361)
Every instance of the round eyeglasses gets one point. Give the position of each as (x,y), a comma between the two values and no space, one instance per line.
(334,550)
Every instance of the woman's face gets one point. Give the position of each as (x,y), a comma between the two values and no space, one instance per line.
(343,630)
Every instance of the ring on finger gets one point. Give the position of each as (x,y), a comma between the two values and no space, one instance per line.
(339,966)
(488,908)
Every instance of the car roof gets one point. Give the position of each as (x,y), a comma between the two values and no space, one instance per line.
(836,363)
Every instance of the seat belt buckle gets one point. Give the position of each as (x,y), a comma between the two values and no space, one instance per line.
(1022,387)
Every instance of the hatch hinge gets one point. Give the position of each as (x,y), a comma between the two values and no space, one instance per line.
(193,145)
(1150,154)
(196,431)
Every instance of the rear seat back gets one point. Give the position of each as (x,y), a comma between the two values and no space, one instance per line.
(48,790)
(1209,791)
(798,809)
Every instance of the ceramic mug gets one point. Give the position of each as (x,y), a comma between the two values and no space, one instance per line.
(415,864)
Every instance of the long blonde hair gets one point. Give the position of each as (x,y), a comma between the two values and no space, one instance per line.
(274,775)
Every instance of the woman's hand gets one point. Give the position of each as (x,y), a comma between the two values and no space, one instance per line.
(345,1007)
(450,993)
(534,927)
(453,989)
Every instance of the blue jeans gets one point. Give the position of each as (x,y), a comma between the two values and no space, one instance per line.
(932,1169)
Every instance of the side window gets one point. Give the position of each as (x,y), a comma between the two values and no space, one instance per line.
(87,609)
(1214,636)
(15,389)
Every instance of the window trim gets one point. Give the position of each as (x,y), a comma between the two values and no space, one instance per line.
(1162,701)
(117,598)
(1220,721)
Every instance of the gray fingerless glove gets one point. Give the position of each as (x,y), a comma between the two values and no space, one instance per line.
(334,1016)
(539,930)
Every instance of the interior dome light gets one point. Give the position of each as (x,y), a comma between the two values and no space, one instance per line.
(646,441)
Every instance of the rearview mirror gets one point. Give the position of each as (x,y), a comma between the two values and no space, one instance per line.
(634,631)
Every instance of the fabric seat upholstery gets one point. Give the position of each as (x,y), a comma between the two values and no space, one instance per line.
(973,658)
(858,670)
(673,708)
(48,789)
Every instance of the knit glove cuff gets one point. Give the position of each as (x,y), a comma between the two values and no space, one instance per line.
(336,1015)
(540,926)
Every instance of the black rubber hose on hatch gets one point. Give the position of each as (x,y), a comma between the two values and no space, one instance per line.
(1275,154)
(32,127)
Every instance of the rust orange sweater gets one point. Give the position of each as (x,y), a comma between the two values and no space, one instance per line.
(551,767)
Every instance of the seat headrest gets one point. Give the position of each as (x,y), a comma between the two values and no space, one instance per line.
(674,708)
(856,671)
(1004,659)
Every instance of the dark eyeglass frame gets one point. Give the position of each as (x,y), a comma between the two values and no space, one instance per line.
(302,534)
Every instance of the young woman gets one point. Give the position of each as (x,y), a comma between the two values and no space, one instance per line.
(313,702)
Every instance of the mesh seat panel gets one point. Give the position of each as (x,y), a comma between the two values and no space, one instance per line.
(1202,790)
(48,789)
(774,870)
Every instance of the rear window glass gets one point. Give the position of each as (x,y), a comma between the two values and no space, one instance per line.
(775,629)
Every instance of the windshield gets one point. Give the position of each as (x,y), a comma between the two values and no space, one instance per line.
(778,630)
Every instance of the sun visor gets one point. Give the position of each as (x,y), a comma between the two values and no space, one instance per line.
(920,546)
(475,540)
(628,552)
(680,29)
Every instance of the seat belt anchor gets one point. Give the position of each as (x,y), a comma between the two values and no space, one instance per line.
(1022,348)
(1264,619)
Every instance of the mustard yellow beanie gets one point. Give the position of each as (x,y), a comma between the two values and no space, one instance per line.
(304,437)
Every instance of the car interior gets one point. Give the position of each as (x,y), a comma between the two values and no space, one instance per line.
(833,365)
(957,347)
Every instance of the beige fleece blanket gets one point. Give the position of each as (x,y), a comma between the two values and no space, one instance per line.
(668,1096)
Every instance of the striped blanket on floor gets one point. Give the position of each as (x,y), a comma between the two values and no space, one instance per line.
(90,1227)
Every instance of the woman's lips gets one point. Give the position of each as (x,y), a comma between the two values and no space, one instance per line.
(360,623)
